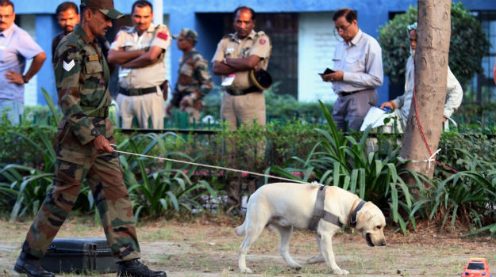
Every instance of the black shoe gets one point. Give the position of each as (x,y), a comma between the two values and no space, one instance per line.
(135,268)
(31,266)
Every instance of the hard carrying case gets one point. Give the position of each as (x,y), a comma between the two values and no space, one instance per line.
(79,255)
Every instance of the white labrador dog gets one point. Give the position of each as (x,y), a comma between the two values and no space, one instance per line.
(288,205)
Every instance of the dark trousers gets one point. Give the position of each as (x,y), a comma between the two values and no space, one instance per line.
(349,110)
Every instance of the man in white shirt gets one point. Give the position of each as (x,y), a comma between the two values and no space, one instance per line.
(357,72)
(401,105)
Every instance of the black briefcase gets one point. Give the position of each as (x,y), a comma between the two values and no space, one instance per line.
(79,255)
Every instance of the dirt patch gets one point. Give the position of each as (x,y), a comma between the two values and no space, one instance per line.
(207,248)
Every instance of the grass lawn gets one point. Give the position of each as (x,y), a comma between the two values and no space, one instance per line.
(208,247)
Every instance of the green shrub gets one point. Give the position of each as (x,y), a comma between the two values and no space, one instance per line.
(465,182)
(159,187)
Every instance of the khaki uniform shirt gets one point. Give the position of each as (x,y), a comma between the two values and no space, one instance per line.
(148,76)
(230,46)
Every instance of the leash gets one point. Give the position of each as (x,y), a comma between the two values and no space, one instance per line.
(207,166)
(432,158)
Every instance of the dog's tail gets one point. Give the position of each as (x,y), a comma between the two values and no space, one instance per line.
(240,230)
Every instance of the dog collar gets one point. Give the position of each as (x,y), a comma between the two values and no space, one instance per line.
(353,217)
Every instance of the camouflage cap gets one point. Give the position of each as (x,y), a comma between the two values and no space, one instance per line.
(188,34)
(104,6)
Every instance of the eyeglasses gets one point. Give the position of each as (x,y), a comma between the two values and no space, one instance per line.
(343,28)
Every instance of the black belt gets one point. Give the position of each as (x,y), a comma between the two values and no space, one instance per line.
(346,93)
(137,91)
(238,92)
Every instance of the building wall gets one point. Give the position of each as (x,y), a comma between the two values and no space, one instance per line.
(188,13)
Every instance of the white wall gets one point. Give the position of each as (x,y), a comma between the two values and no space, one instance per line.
(316,43)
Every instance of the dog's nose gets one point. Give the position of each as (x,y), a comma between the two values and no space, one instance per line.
(382,243)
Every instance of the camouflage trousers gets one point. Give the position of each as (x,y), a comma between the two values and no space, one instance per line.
(104,177)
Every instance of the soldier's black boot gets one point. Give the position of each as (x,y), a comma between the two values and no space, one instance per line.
(134,268)
(31,266)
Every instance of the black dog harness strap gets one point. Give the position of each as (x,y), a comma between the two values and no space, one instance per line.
(319,212)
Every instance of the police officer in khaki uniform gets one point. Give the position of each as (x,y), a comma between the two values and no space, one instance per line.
(236,57)
(83,147)
(193,80)
(140,52)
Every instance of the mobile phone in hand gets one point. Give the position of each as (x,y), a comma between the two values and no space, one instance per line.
(326,71)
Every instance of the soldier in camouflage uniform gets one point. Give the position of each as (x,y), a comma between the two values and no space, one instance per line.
(83,148)
(193,80)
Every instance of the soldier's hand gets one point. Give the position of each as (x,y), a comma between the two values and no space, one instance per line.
(102,144)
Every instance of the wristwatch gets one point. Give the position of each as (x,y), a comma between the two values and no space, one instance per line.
(25,79)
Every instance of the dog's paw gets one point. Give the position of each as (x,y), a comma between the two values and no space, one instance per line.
(316,259)
(339,271)
(295,266)
(245,270)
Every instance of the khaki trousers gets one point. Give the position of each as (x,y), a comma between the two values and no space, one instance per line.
(245,109)
(142,107)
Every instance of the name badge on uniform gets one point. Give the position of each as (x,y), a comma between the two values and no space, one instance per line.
(93,58)
(228,80)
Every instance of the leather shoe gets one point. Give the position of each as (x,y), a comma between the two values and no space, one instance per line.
(134,268)
(31,266)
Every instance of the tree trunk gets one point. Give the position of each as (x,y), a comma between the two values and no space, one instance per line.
(424,127)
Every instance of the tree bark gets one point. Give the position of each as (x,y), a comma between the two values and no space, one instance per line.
(424,127)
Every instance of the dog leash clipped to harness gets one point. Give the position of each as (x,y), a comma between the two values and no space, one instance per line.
(320,213)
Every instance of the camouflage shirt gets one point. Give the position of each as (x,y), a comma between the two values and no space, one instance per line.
(193,74)
(82,76)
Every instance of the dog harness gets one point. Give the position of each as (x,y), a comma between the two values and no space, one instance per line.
(319,212)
